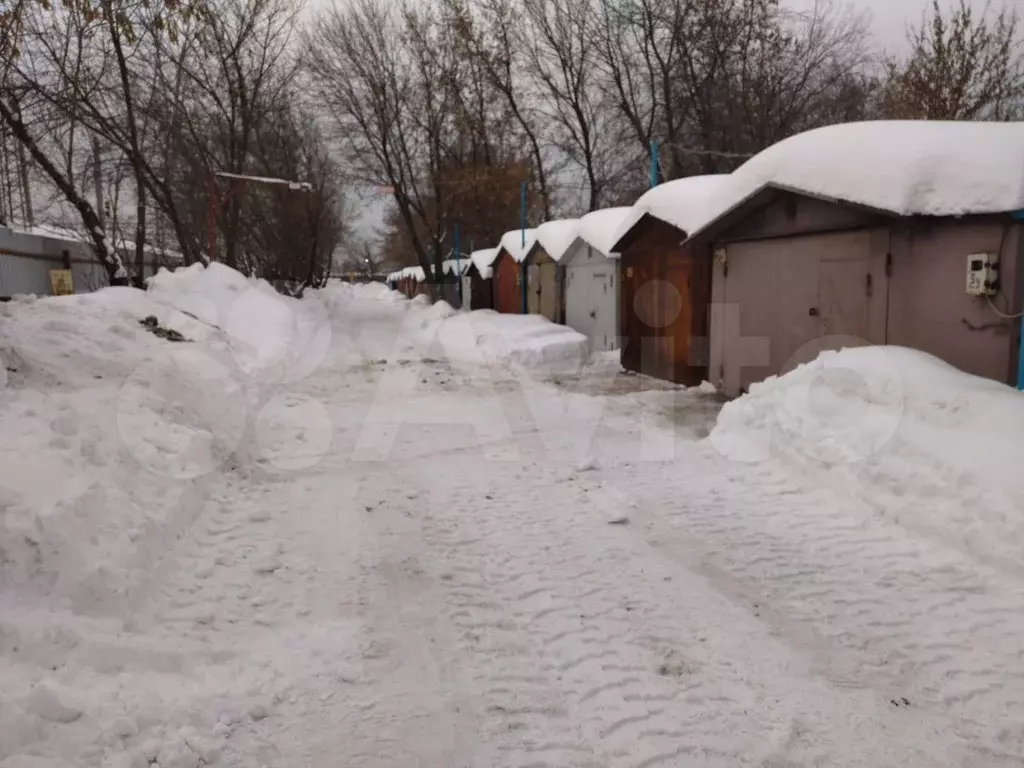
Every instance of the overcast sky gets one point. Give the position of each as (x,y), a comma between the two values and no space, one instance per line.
(889,18)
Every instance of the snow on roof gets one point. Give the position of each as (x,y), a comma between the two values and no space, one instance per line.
(418,274)
(512,242)
(448,266)
(599,228)
(482,260)
(683,203)
(905,167)
(556,236)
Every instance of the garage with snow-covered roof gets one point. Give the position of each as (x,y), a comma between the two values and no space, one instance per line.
(544,275)
(665,286)
(869,233)
(477,282)
(453,271)
(591,282)
(508,270)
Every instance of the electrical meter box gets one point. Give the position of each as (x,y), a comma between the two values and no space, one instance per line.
(982,274)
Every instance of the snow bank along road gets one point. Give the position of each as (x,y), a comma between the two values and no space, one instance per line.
(355,531)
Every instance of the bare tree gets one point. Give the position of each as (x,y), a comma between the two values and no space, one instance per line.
(961,67)
(231,76)
(713,82)
(88,66)
(639,47)
(494,34)
(393,90)
(776,73)
(561,51)
(13,109)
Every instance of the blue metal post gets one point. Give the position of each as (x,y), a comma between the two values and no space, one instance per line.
(458,269)
(1019,216)
(654,164)
(522,225)
(1020,362)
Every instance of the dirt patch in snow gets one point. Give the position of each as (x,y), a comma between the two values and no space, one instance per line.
(620,383)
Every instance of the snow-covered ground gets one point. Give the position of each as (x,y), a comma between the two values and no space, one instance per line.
(355,530)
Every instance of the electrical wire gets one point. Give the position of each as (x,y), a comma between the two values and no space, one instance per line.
(1000,313)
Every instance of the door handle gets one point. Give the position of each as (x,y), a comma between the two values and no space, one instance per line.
(813,311)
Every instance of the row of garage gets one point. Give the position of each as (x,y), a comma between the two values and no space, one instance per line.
(890,232)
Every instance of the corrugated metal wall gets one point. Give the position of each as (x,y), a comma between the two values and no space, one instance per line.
(26,261)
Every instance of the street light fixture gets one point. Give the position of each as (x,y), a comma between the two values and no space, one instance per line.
(293,186)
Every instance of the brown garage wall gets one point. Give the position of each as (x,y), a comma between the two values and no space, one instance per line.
(663,305)
(508,297)
(928,307)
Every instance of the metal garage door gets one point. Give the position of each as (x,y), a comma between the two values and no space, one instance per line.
(784,300)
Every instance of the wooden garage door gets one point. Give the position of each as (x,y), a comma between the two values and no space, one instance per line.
(639,308)
(676,309)
(507,297)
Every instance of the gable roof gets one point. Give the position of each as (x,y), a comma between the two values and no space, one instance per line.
(512,242)
(482,261)
(449,266)
(684,203)
(599,228)
(556,236)
(902,167)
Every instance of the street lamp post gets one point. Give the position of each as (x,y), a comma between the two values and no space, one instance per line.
(238,178)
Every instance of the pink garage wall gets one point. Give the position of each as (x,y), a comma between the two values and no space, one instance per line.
(778,268)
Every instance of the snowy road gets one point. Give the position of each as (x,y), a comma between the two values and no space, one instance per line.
(476,567)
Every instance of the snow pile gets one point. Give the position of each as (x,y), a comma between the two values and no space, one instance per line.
(112,437)
(488,337)
(930,168)
(683,203)
(556,236)
(925,444)
(600,229)
(92,397)
(337,294)
(518,242)
(272,337)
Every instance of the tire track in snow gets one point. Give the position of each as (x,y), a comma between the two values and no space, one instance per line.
(605,657)
(885,607)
